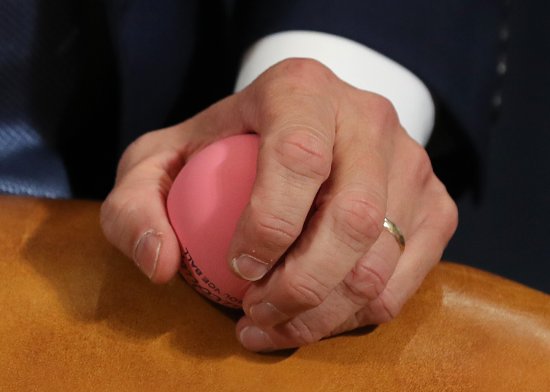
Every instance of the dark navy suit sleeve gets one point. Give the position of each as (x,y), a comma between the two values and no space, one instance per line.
(172,60)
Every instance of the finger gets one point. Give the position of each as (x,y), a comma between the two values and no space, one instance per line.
(348,222)
(376,289)
(419,203)
(306,328)
(422,252)
(368,279)
(427,216)
(134,218)
(347,308)
(338,311)
(297,128)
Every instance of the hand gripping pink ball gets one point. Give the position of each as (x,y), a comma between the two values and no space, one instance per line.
(204,205)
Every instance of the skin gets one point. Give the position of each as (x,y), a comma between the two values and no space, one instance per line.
(333,162)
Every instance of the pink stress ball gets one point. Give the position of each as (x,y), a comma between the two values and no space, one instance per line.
(204,205)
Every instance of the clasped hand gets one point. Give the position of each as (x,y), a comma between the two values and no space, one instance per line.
(333,162)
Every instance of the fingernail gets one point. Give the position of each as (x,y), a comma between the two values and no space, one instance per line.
(147,251)
(266,314)
(254,339)
(249,268)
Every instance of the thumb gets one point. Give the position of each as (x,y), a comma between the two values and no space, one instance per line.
(134,219)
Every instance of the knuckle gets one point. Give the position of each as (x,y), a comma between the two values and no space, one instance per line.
(381,113)
(146,140)
(365,282)
(421,164)
(383,309)
(126,161)
(306,291)
(302,333)
(295,77)
(417,169)
(443,211)
(275,232)
(141,148)
(380,103)
(140,141)
(302,71)
(132,154)
(305,153)
(449,214)
(357,219)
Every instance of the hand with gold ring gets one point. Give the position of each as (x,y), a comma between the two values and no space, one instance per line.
(334,164)
(349,266)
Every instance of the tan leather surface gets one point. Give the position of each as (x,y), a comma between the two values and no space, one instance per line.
(77,315)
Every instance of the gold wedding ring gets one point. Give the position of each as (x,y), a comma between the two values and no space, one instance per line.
(395,232)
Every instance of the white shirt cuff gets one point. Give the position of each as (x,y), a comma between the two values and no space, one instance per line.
(354,63)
